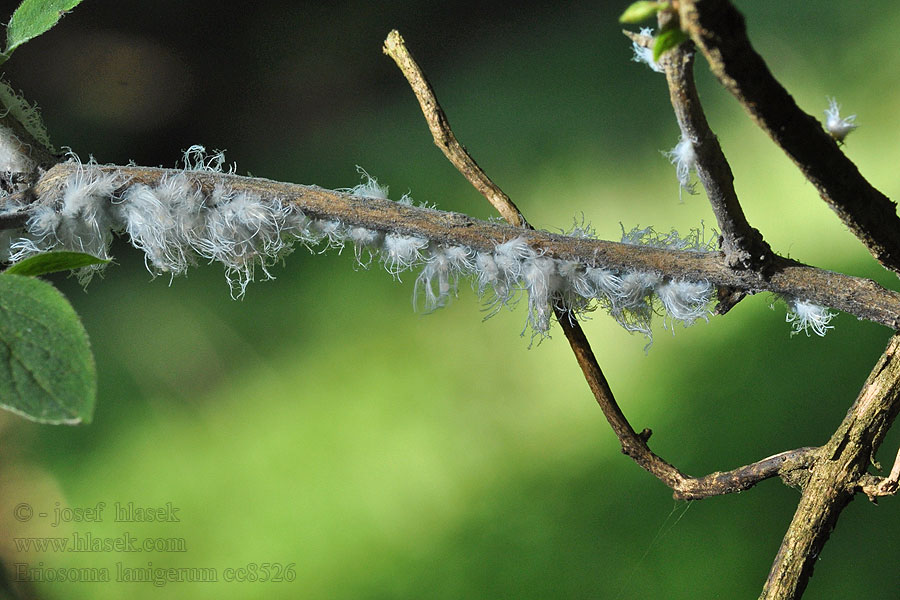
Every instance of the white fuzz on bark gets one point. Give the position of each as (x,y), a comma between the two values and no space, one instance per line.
(176,224)
(839,127)
(804,316)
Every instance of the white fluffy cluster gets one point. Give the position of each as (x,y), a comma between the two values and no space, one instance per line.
(803,315)
(176,225)
(839,127)
(645,55)
(173,222)
(684,157)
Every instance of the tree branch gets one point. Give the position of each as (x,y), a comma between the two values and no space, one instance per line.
(635,445)
(833,480)
(785,464)
(742,244)
(443,135)
(719,31)
(862,298)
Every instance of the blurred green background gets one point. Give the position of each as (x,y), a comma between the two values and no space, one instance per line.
(388,454)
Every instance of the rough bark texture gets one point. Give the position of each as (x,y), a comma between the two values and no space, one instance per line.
(743,245)
(862,298)
(835,477)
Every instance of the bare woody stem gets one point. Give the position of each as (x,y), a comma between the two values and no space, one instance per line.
(443,135)
(719,31)
(635,445)
(742,244)
(834,479)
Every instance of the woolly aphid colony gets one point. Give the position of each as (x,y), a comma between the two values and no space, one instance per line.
(176,224)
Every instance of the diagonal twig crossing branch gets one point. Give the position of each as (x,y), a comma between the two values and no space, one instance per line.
(444,137)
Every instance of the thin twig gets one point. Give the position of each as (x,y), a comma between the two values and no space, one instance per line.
(719,31)
(875,487)
(635,445)
(785,465)
(443,135)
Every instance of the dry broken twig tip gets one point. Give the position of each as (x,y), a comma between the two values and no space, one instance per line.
(444,138)
(875,487)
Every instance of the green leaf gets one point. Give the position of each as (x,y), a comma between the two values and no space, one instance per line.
(52,262)
(31,19)
(666,40)
(47,369)
(641,11)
